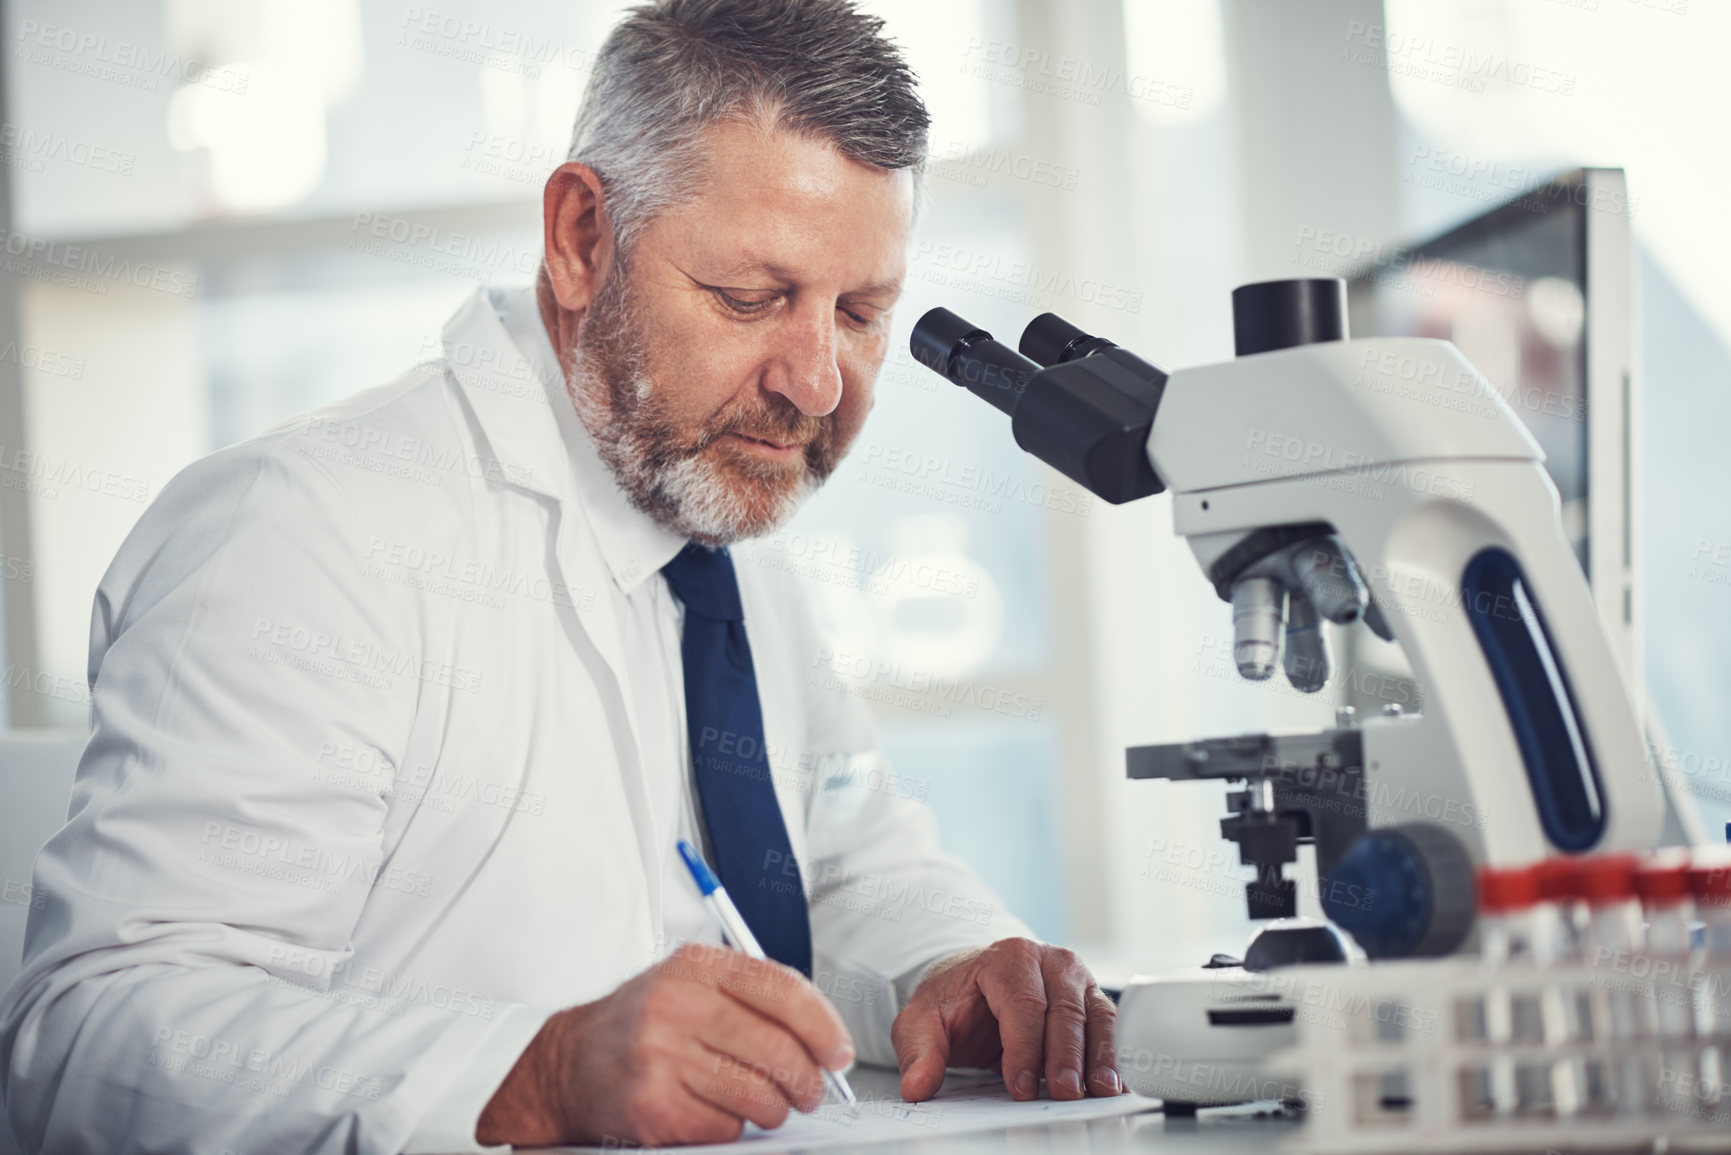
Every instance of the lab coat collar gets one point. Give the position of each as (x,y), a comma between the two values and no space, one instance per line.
(537,429)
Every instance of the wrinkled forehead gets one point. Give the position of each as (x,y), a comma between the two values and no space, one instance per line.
(780,201)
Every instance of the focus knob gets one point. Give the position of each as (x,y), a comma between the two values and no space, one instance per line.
(1403,892)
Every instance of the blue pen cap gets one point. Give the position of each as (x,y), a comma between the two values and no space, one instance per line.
(705,877)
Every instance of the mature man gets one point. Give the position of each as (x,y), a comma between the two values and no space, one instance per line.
(401,708)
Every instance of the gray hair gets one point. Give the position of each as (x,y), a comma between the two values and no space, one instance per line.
(673,68)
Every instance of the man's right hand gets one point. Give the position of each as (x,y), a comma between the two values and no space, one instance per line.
(686,1052)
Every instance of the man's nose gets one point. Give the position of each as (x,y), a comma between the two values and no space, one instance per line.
(804,368)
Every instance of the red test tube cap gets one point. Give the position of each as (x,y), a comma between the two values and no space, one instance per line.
(1663,879)
(1605,878)
(1556,879)
(1710,883)
(1506,888)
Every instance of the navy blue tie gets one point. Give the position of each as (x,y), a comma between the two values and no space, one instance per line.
(724,723)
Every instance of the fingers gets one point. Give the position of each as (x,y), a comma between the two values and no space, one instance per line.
(676,1099)
(922,1043)
(1080,1021)
(741,1090)
(1066,1022)
(774,991)
(1102,1046)
(1052,1018)
(704,1119)
(1015,992)
(763,1053)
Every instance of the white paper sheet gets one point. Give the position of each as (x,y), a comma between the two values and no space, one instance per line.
(964,1105)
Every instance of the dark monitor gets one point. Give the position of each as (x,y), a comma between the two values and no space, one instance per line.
(1539,293)
(1536,292)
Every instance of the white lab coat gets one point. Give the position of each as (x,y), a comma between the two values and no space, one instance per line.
(363,803)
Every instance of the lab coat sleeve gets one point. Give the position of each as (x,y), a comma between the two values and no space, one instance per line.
(886,901)
(177,991)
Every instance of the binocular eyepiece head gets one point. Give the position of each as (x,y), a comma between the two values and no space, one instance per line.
(1085,418)
(940,335)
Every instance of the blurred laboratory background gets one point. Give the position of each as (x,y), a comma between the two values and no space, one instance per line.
(218,213)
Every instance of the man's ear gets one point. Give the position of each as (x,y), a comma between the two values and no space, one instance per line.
(578,236)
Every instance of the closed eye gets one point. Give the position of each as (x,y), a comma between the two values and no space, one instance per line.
(739,304)
(746,308)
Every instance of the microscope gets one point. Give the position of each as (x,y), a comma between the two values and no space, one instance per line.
(1296,469)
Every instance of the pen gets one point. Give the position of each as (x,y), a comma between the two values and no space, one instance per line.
(739,934)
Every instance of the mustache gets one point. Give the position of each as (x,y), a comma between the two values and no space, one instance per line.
(778,420)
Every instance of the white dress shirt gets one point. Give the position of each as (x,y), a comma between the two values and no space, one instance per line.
(388,763)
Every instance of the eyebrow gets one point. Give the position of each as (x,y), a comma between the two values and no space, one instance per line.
(786,276)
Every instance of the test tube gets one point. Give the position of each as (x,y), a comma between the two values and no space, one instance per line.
(1710,887)
(1512,1015)
(1662,882)
(1614,937)
(1567,1010)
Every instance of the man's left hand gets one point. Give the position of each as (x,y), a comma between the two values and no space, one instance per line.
(1019,1006)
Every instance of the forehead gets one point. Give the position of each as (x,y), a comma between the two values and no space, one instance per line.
(778,198)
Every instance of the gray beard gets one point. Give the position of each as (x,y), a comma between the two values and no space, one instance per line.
(665,476)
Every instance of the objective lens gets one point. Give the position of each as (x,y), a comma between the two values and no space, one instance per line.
(1330,580)
(1306,659)
(1258,619)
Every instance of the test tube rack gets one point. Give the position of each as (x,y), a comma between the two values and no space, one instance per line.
(1395,1056)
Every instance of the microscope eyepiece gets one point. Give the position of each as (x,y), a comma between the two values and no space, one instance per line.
(936,336)
(1051,340)
(968,356)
